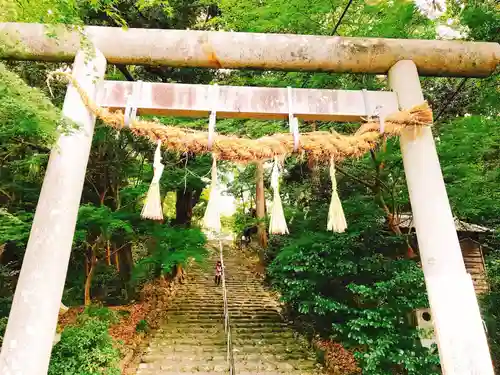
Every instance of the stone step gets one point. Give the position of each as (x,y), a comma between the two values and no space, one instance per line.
(217,341)
(245,347)
(257,367)
(232,288)
(198,365)
(235,323)
(217,315)
(232,307)
(159,353)
(278,372)
(218,309)
(216,297)
(235,308)
(198,329)
(236,336)
(253,356)
(217,300)
(188,358)
(207,320)
(169,367)
(153,371)
(200,286)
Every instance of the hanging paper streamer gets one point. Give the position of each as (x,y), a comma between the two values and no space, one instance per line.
(153,206)
(277,223)
(336,218)
(211,220)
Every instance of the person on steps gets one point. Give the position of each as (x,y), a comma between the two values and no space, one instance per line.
(218,272)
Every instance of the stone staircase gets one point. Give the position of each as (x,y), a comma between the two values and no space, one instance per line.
(192,339)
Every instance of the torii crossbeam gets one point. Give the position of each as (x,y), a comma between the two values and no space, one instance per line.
(32,322)
(229,50)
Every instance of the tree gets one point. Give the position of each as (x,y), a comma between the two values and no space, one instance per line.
(260,203)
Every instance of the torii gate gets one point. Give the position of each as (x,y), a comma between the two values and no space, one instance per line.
(27,344)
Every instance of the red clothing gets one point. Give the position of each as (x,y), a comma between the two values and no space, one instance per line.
(218,270)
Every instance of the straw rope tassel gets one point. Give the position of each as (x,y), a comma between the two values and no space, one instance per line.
(211,220)
(153,206)
(277,223)
(336,218)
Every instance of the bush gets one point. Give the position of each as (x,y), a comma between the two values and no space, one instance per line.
(490,304)
(352,288)
(101,313)
(3,326)
(142,326)
(85,349)
(107,285)
(5,305)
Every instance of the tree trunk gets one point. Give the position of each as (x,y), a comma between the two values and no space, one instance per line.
(88,280)
(179,273)
(125,261)
(315,174)
(2,250)
(184,203)
(108,253)
(260,202)
(117,261)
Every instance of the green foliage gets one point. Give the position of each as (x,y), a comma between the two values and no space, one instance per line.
(171,246)
(14,228)
(8,275)
(63,11)
(28,122)
(490,304)
(3,327)
(100,313)
(319,17)
(26,113)
(85,349)
(101,221)
(483,20)
(242,220)
(142,326)
(470,158)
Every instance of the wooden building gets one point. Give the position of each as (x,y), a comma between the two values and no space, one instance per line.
(469,236)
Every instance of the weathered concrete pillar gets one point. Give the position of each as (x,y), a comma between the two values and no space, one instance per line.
(32,322)
(462,343)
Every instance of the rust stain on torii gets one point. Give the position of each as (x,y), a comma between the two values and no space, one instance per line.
(209,51)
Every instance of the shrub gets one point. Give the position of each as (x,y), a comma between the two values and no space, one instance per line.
(490,304)
(101,313)
(142,326)
(85,349)
(3,326)
(5,305)
(7,285)
(353,288)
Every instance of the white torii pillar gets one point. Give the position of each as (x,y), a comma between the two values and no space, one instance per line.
(462,343)
(27,343)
